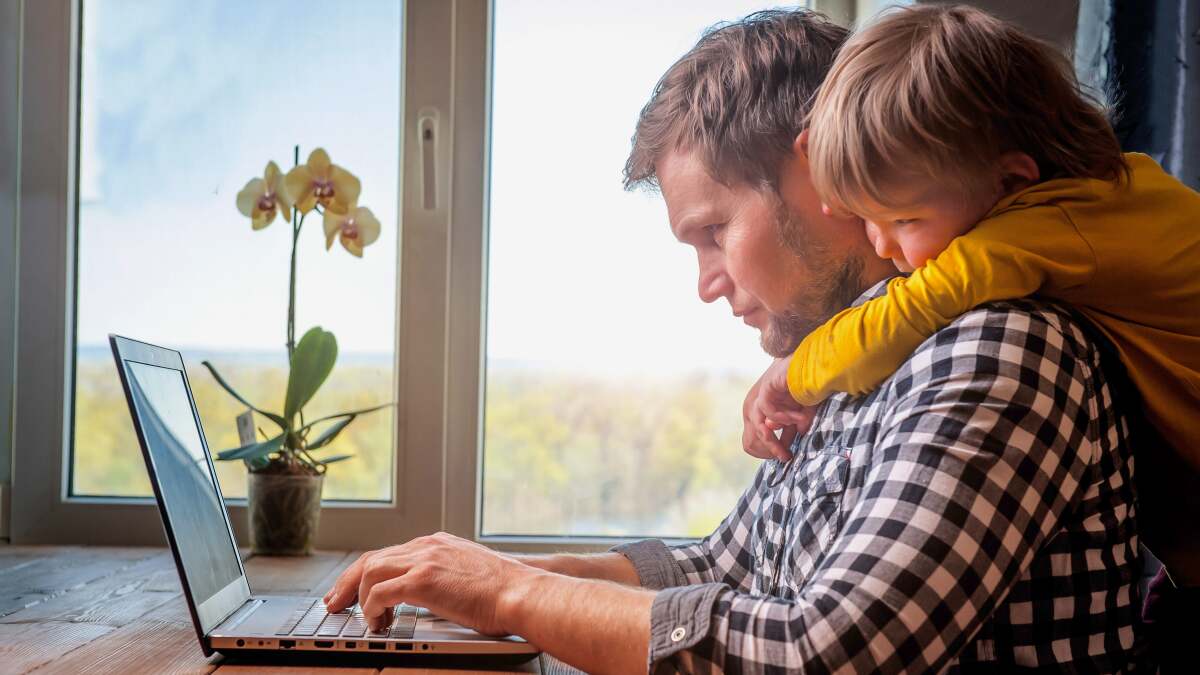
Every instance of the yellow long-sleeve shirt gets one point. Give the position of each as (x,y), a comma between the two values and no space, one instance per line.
(1126,255)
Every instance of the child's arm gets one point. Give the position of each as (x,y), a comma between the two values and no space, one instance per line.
(1012,255)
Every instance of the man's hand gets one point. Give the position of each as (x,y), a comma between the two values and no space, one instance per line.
(454,578)
(768,408)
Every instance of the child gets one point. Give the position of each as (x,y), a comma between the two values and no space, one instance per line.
(978,166)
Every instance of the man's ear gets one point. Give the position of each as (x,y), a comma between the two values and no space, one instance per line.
(1017,172)
(800,145)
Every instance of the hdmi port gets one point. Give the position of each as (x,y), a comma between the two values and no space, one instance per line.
(287,644)
(323,644)
(376,645)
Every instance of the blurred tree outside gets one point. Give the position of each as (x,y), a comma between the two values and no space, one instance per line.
(564,454)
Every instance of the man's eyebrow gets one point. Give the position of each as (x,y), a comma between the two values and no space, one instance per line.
(693,220)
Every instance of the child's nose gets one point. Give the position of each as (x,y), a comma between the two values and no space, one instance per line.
(884,246)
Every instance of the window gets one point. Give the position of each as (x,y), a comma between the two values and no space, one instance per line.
(138,126)
(606,413)
(180,104)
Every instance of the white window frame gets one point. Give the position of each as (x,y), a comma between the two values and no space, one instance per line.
(441,291)
(440,286)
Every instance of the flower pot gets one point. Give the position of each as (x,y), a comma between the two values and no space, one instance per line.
(284,510)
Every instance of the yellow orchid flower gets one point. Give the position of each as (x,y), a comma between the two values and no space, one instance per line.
(262,197)
(355,229)
(321,182)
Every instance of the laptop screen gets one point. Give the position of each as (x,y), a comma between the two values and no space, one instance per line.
(189,490)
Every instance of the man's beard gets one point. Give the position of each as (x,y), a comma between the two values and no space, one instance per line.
(834,284)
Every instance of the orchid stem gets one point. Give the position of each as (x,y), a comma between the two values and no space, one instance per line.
(297,223)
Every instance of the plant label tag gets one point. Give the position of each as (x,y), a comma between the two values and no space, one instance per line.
(245,426)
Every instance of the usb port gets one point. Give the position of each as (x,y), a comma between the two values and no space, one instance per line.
(323,644)
(402,647)
(351,645)
(287,644)
(376,645)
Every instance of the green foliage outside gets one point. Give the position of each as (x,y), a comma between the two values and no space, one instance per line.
(564,454)
(108,460)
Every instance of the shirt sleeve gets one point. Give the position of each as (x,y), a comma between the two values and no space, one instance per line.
(723,557)
(1012,255)
(976,464)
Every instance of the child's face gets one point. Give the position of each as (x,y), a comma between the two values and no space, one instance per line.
(923,226)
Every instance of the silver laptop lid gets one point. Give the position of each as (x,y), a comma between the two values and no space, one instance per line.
(184,480)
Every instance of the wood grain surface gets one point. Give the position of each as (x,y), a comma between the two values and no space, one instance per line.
(93,610)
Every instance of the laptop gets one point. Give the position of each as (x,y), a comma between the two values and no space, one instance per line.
(228,616)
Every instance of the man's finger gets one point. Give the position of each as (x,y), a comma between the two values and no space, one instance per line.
(377,605)
(345,588)
(381,569)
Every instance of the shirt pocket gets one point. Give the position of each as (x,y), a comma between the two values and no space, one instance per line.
(817,515)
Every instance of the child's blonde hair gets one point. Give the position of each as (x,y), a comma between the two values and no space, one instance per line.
(939,93)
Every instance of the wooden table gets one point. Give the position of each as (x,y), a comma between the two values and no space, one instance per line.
(97,610)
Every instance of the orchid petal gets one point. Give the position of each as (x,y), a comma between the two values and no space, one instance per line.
(333,225)
(282,199)
(299,188)
(262,219)
(318,163)
(346,188)
(368,226)
(248,197)
(352,246)
(271,174)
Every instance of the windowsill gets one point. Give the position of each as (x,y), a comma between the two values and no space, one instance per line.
(230,501)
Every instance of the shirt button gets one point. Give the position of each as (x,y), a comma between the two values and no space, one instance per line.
(678,634)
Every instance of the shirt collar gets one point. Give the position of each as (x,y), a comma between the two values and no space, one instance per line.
(878,290)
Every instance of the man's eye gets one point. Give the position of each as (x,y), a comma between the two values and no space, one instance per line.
(905,221)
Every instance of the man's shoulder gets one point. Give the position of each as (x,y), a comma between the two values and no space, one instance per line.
(1020,339)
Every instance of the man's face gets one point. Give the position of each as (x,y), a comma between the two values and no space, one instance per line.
(783,266)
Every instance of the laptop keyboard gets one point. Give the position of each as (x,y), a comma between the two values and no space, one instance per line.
(312,620)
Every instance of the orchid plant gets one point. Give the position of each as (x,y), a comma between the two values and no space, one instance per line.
(332,192)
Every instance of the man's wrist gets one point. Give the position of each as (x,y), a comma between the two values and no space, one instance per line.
(513,606)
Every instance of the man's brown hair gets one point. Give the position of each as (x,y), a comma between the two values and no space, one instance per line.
(738,98)
(940,92)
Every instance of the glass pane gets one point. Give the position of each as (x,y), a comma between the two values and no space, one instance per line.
(182,103)
(613,401)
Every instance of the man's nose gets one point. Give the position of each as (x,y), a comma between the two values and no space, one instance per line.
(714,283)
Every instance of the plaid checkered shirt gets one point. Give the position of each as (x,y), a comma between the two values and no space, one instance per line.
(977,508)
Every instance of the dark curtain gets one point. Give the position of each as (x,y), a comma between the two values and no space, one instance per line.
(1153,64)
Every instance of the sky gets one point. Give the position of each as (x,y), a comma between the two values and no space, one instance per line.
(183,102)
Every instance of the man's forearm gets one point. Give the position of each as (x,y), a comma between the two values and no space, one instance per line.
(604,566)
(596,626)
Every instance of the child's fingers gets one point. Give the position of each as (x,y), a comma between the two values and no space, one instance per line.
(772,442)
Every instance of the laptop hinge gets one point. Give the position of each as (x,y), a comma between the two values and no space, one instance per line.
(240,614)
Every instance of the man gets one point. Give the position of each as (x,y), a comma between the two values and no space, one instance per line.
(978,507)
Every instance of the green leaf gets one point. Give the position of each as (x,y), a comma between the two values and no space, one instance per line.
(330,433)
(253,450)
(335,458)
(256,463)
(312,362)
(364,411)
(271,416)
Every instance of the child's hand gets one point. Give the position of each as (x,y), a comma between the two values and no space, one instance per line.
(768,408)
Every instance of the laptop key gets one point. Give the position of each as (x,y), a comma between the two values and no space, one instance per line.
(294,618)
(356,626)
(332,626)
(311,621)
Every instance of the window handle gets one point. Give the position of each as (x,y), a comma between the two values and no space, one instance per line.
(427,133)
